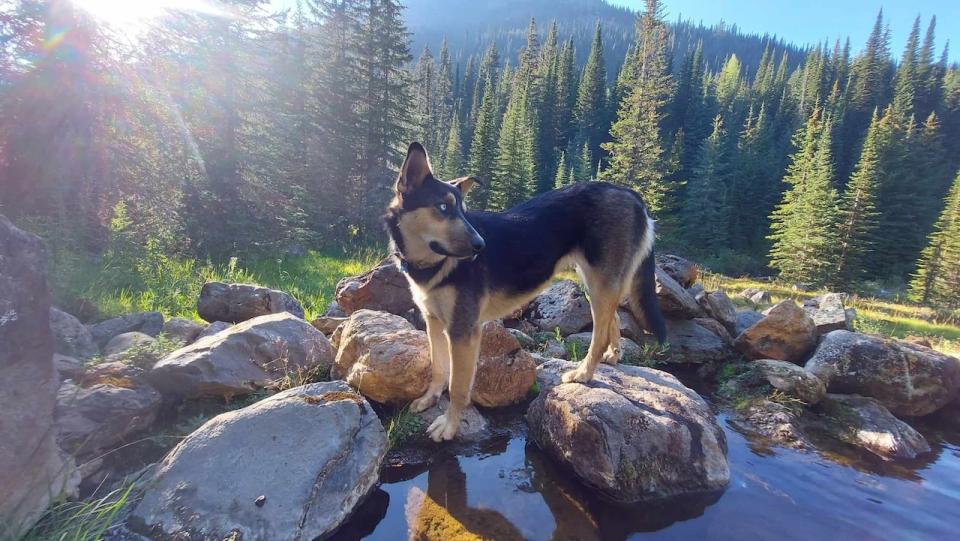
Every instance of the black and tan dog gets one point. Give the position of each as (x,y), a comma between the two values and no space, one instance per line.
(465,268)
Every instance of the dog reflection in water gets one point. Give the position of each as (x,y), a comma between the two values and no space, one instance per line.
(442,512)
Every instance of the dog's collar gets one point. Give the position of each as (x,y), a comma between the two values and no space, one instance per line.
(419,274)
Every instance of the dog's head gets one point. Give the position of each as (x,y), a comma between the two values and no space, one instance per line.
(426,216)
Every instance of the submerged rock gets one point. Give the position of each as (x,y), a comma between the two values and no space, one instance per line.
(383,288)
(244,357)
(774,421)
(384,357)
(235,303)
(787,333)
(863,422)
(561,306)
(631,433)
(149,323)
(907,379)
(73,338)
(292,466)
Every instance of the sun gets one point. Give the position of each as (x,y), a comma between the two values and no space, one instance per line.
(130,16)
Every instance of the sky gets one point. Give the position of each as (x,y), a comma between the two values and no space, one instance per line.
(809,21)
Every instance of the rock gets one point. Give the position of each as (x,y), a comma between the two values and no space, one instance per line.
(128,340)
(773,421)
(745,320)
(562,305)
(212,329)
(33,470)
(72,337)
(907,379)
(691,343)
(526,341)
(103,407)
(719,306)
(149,323)
(384,357)
(327,325)
(674,300)
(715,327)
(505,372)
(786,334)
(630,351)
(473,426)
(557,350)
(67,367)
(246,356)
(334,310)
(184,330)
(864,423)
(629,327)
(828,313)
(696,291)
(383,288)
(235,303)
(918,341)
(682,271)
(631,433)
(756,296)
(792,380)
(312,452)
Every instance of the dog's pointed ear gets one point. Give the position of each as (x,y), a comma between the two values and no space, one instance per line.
(465,183)
(415,169)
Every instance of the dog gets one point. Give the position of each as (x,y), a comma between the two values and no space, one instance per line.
(466,267)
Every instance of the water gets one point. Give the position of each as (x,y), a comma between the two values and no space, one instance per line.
(505,488)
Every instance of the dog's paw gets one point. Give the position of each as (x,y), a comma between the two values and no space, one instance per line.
(442,429)
(577,376)
(424,403)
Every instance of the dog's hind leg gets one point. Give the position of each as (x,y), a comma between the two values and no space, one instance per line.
(603,305)
(440,362)
(464,351)
(612,354)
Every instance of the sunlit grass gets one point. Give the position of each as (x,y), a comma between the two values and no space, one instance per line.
(80,520)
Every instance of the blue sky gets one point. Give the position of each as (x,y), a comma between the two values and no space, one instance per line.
(810,21)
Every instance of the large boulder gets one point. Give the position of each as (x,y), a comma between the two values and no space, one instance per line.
(828,313)
(907,379)
(473,425)
(505,372)
(33,470)
(684,272)
(244,357)
(239,302)
(791,380)
(630,434)
(745,320)
(127,341)
(291,466)
(630,351)
(149,323)
(561,306)
(693,343)
(73,338)
(214,328)
(327,325)
(184,330)
(864,423)
(674,299)
(756,296)
(786,334)
(629,326)
(103,407)
(384,357)
(383,288)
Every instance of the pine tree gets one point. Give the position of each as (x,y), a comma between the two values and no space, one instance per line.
(566,95)
(803,227)
(728,82)
(906,80)
(452,164)
(871,69)
(707,210)
(515,175)
(858,214)
(425,98)
(483,149)
(591,96)
(636,152)
(937,279)
(563,174)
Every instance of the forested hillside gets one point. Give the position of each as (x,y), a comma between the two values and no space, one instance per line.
(242,131)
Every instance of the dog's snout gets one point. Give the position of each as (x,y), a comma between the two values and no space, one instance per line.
(478,244)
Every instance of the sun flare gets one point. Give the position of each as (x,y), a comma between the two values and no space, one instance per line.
(131,15)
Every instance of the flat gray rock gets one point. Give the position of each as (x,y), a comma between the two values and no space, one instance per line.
(235,303)
(73,338)
(149,323)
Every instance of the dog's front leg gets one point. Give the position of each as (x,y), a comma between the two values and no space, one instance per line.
(464,349)
(440,361)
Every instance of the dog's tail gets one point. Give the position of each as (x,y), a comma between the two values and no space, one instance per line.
(643,302)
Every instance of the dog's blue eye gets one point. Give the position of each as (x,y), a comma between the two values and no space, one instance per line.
(442,206)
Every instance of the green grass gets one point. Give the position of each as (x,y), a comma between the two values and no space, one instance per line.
(403,427)
(80,520)
(171,285)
